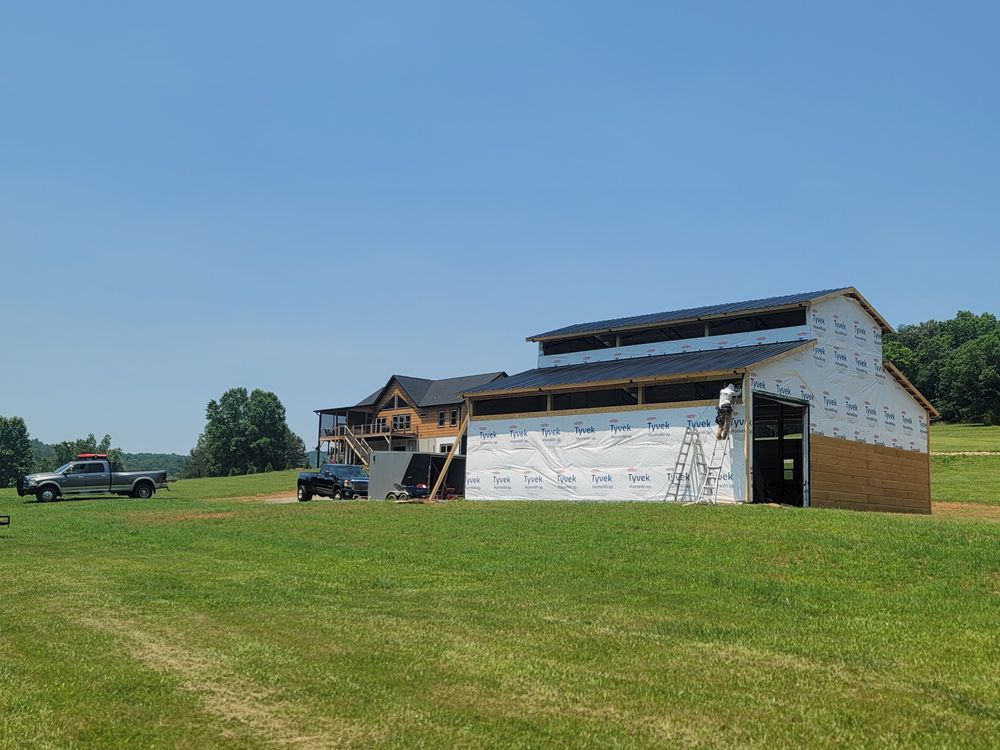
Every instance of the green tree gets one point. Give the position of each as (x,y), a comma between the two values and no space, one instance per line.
(971,378)
(227,433)
(68,450)
(44,456)
(295,455)
(953,363)
(196,464)
(244,431)
(16,457)
(268,429)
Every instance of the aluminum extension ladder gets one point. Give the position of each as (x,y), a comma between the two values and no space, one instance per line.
(708,492)
(708,471)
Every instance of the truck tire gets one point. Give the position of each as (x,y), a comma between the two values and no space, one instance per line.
(47,494)
(304,494)
(338,495)
(143,491)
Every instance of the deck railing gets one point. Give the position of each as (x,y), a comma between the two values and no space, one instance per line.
(373,429)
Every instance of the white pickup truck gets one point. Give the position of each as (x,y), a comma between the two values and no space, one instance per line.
(91,474)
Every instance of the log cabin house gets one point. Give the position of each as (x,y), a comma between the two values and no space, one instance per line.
(405,414)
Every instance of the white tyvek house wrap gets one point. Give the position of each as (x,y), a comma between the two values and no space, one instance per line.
(798,333)
(626,455)
(850,395)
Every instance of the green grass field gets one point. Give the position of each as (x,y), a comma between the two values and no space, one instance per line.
(966,479)
(969,479)
(949,438)
(266,483)
(188,622)
(209,617)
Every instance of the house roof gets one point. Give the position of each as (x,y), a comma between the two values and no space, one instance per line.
(450,390)
(691,314)
(718,362)
(424,392)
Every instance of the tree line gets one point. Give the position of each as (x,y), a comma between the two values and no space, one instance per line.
(244,433)
(955,364)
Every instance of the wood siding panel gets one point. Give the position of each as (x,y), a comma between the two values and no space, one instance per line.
(429,424)
(857,476)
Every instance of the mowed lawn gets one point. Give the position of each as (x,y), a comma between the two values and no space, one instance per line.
(187,622)
(949,438)
(968,478)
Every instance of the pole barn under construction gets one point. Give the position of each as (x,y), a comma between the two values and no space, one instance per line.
(625,409)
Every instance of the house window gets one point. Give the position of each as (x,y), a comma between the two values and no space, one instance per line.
(454,417)
(440,419)
(401,422)
(395,402)
(446,448)
(380,423)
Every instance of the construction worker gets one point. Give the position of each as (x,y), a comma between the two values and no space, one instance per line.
(724,414)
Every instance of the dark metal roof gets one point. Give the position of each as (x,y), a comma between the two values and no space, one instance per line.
(450,390)
(370,400)
(425,392)
(691,313)
(415,387)
(640,368)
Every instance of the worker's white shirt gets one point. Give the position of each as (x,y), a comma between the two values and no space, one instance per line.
(726,396)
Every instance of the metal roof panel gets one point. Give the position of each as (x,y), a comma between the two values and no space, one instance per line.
(691,313)
(641,368)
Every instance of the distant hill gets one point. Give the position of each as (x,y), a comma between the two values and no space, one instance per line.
(45,459)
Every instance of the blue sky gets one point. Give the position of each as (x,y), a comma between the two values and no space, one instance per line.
(308,197)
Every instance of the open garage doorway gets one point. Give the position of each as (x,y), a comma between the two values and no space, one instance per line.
(780,432)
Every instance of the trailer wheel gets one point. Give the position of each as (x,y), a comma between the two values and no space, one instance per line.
(143,491)
(390,496)
(304,495)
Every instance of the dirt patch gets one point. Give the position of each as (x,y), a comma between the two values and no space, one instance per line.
(969,511)
(272,497)
(165,519)
(965,453)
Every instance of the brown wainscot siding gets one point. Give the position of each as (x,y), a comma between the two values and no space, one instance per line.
(857,476)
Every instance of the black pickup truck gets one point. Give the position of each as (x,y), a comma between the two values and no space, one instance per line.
(334,480)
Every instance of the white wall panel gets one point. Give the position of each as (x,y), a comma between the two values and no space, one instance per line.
(602,456)
(707,343)
(851,397)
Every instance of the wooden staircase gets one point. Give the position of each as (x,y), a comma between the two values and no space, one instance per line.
(359,446)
